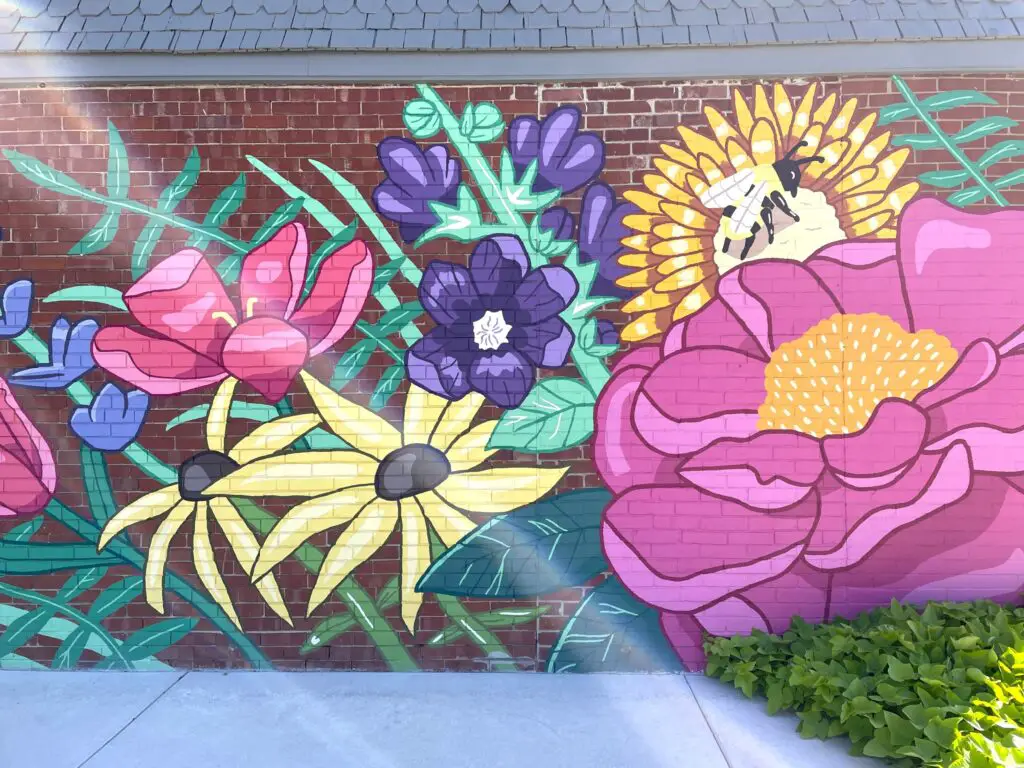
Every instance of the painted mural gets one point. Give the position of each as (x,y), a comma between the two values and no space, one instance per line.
(796,374)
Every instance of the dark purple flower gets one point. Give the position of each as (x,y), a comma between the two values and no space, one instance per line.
(565,158)
(415,178)
(601,233)
(606,334)
(559,221)
(497,323)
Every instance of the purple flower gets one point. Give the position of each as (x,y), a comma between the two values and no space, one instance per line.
(565,158)
(601,233)
(497,323)
(559,221)
(415,178)
(606,333)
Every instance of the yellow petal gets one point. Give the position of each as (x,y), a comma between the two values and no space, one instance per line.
(681,156)
(245,548)
(832,153)
(638,260)
(668,266)
(273,436)
(684,278)
(423,410)
(643,200)
(685,215)
(783,108)
(813,139)
(639,279)
(841,123)
(354,546)
(696,183)
(456,420)
(491,491)
(450,524)
(679,247)
(304,521)
(874,178)
(144,508)
(744,120)
(824,112)
(641,222)
(802,116)
(853,180)
(648,325)
(415,559)
(304,474)
(856,137)
(762,143)
(694,300)
(639,242)
(763,110)
(862,201)
(156,557)
(712,170)
(206,564)
(739,158)
(470,449)
(870,224)
(359,427)
(721,128)
(701,145)
(674,172)
(648,300)
(217,419)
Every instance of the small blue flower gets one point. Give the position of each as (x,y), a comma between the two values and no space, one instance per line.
(70,357)
(113,420)
(15,303)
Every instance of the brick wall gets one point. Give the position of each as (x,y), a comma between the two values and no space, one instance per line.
(285,126)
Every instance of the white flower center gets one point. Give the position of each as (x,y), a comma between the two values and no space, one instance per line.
(491,330)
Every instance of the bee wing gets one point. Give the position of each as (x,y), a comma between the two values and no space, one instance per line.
(745,215)
(728,190)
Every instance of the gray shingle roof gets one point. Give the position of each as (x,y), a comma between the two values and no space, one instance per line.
(252,25)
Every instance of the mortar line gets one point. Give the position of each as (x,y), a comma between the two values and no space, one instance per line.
(700,708)
(131,722)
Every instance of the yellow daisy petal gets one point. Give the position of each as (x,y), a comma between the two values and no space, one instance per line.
(783,109)
(354,546)
(856,137)
(824,112)
(701,145)
(673,172)
(423,410)
(491,491)
(762,143)
(156,557)
(694,300)
(802,116)
(694,182)
(303,474)
(245,547)
(217,419)
(687,216)
(763,110)
(721,128)
(668,266)
(273,436)
(832,153)
(639,242)
(648,300)
(813,139)
(739,158)
(359,427)
(206,564)
(470,450)
(144,508)
(456,420)
(678,247)
(684,278)
(639,260)
(641,222)
(648,325)
(876,178)
(643,200)
(744,120)
(853,180)
(450,524)
(415,560)
(639,279)
(871,224)
(712,170)
(304,521)
(681,156)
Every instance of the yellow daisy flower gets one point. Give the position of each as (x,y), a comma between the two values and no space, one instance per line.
(190,498)
(424,475)
(677,249)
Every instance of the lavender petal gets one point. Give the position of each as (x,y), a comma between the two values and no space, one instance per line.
(504,378)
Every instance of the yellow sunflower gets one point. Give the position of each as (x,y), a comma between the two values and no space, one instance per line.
(190,498)
(677,251)
(425,476)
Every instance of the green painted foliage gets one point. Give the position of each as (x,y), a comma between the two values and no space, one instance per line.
(557,414)
(937,687)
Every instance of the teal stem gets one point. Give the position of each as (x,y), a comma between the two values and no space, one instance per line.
(59,607)
(381,339)
(958,154)
(284,407)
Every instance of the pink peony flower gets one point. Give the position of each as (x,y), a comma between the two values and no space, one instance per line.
(28,476)
(826,436)
(196,336)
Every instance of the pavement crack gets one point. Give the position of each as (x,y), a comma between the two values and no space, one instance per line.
(700,708)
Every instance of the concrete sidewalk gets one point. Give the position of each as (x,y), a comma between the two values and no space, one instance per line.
(367,720)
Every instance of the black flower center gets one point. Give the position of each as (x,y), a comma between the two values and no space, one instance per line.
(201,471)
(409,471)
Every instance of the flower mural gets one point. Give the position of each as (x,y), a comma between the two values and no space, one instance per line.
(28,475)
(415,178)
(566,158)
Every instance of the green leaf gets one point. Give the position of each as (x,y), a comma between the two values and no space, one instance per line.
(485,123)
(383,274)
(100,236)
(953,99)
(89,294)
(393,320)
(901,672)
(351,363)
(387,386)
(24,531)
(612,632)
(1013,177)
(1004,150)
(336,241)
(80,582)
(118,173)
(230,268)
(42,174)
(588,341)
(421,118)
(23,629)
(535,550)
(519,192)
(240,409)
(503,617)
(557,414)
(944,179)
(891,113)
(153,639)
(35,558)
(328,629)
(115,597)
(460,222)
(466,123)
(98,491)
(169,199)
(986,126)
(224,205)
(966,196)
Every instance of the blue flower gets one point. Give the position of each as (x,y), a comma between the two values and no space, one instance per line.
(70,357)
(15,303)
(113,420)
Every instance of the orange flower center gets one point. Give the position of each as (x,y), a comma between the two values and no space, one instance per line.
(830,380)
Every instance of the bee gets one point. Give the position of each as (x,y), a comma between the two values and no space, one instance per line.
(741,195)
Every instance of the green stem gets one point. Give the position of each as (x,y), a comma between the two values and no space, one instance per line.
(361,605)
(284,407)
(381,339)
(958,154)
(71,613)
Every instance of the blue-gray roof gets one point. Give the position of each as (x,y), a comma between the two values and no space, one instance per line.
(349,25)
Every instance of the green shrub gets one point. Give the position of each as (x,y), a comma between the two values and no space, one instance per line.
(938,687)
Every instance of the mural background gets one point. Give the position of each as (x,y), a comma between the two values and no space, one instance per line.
(341,126)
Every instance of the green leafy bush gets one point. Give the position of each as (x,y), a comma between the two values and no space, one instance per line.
(938,687)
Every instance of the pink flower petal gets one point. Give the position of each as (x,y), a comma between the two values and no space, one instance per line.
(646,356)
(732,616)
(892,438)
(711,326)
(976,365)
(995,402)
(338,296)
(183,299)
(28,475)
(273,275)
(875,286)
(855,253)
(267,354)
(992,449)
(962,270)
(949,484)
(152,363)
(687,639)
(800,591)
(681,550)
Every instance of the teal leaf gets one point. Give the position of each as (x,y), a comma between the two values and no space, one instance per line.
(485,123)
(944,179)
(224,205)
(352,362)
(116,597)
(100,236)
(330,628)
(557,414)
(612,632)
(338,240)
(966,196)
(519,192)
(986,126)
(421,118)
(384,273)
(892,113)
(503,617)
(535,550)
(89,294)
(239,410)
(1013,177)
(25,531)
(230,268)
(395,319)
(118,174)
(81,581)
(169,199)
(460,222)
(1004,150)
(466,123)
(28,558)
(23,629)
(98,491)
(588,341)
(952,99)
(42,174)
(153,639)
(387,386)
